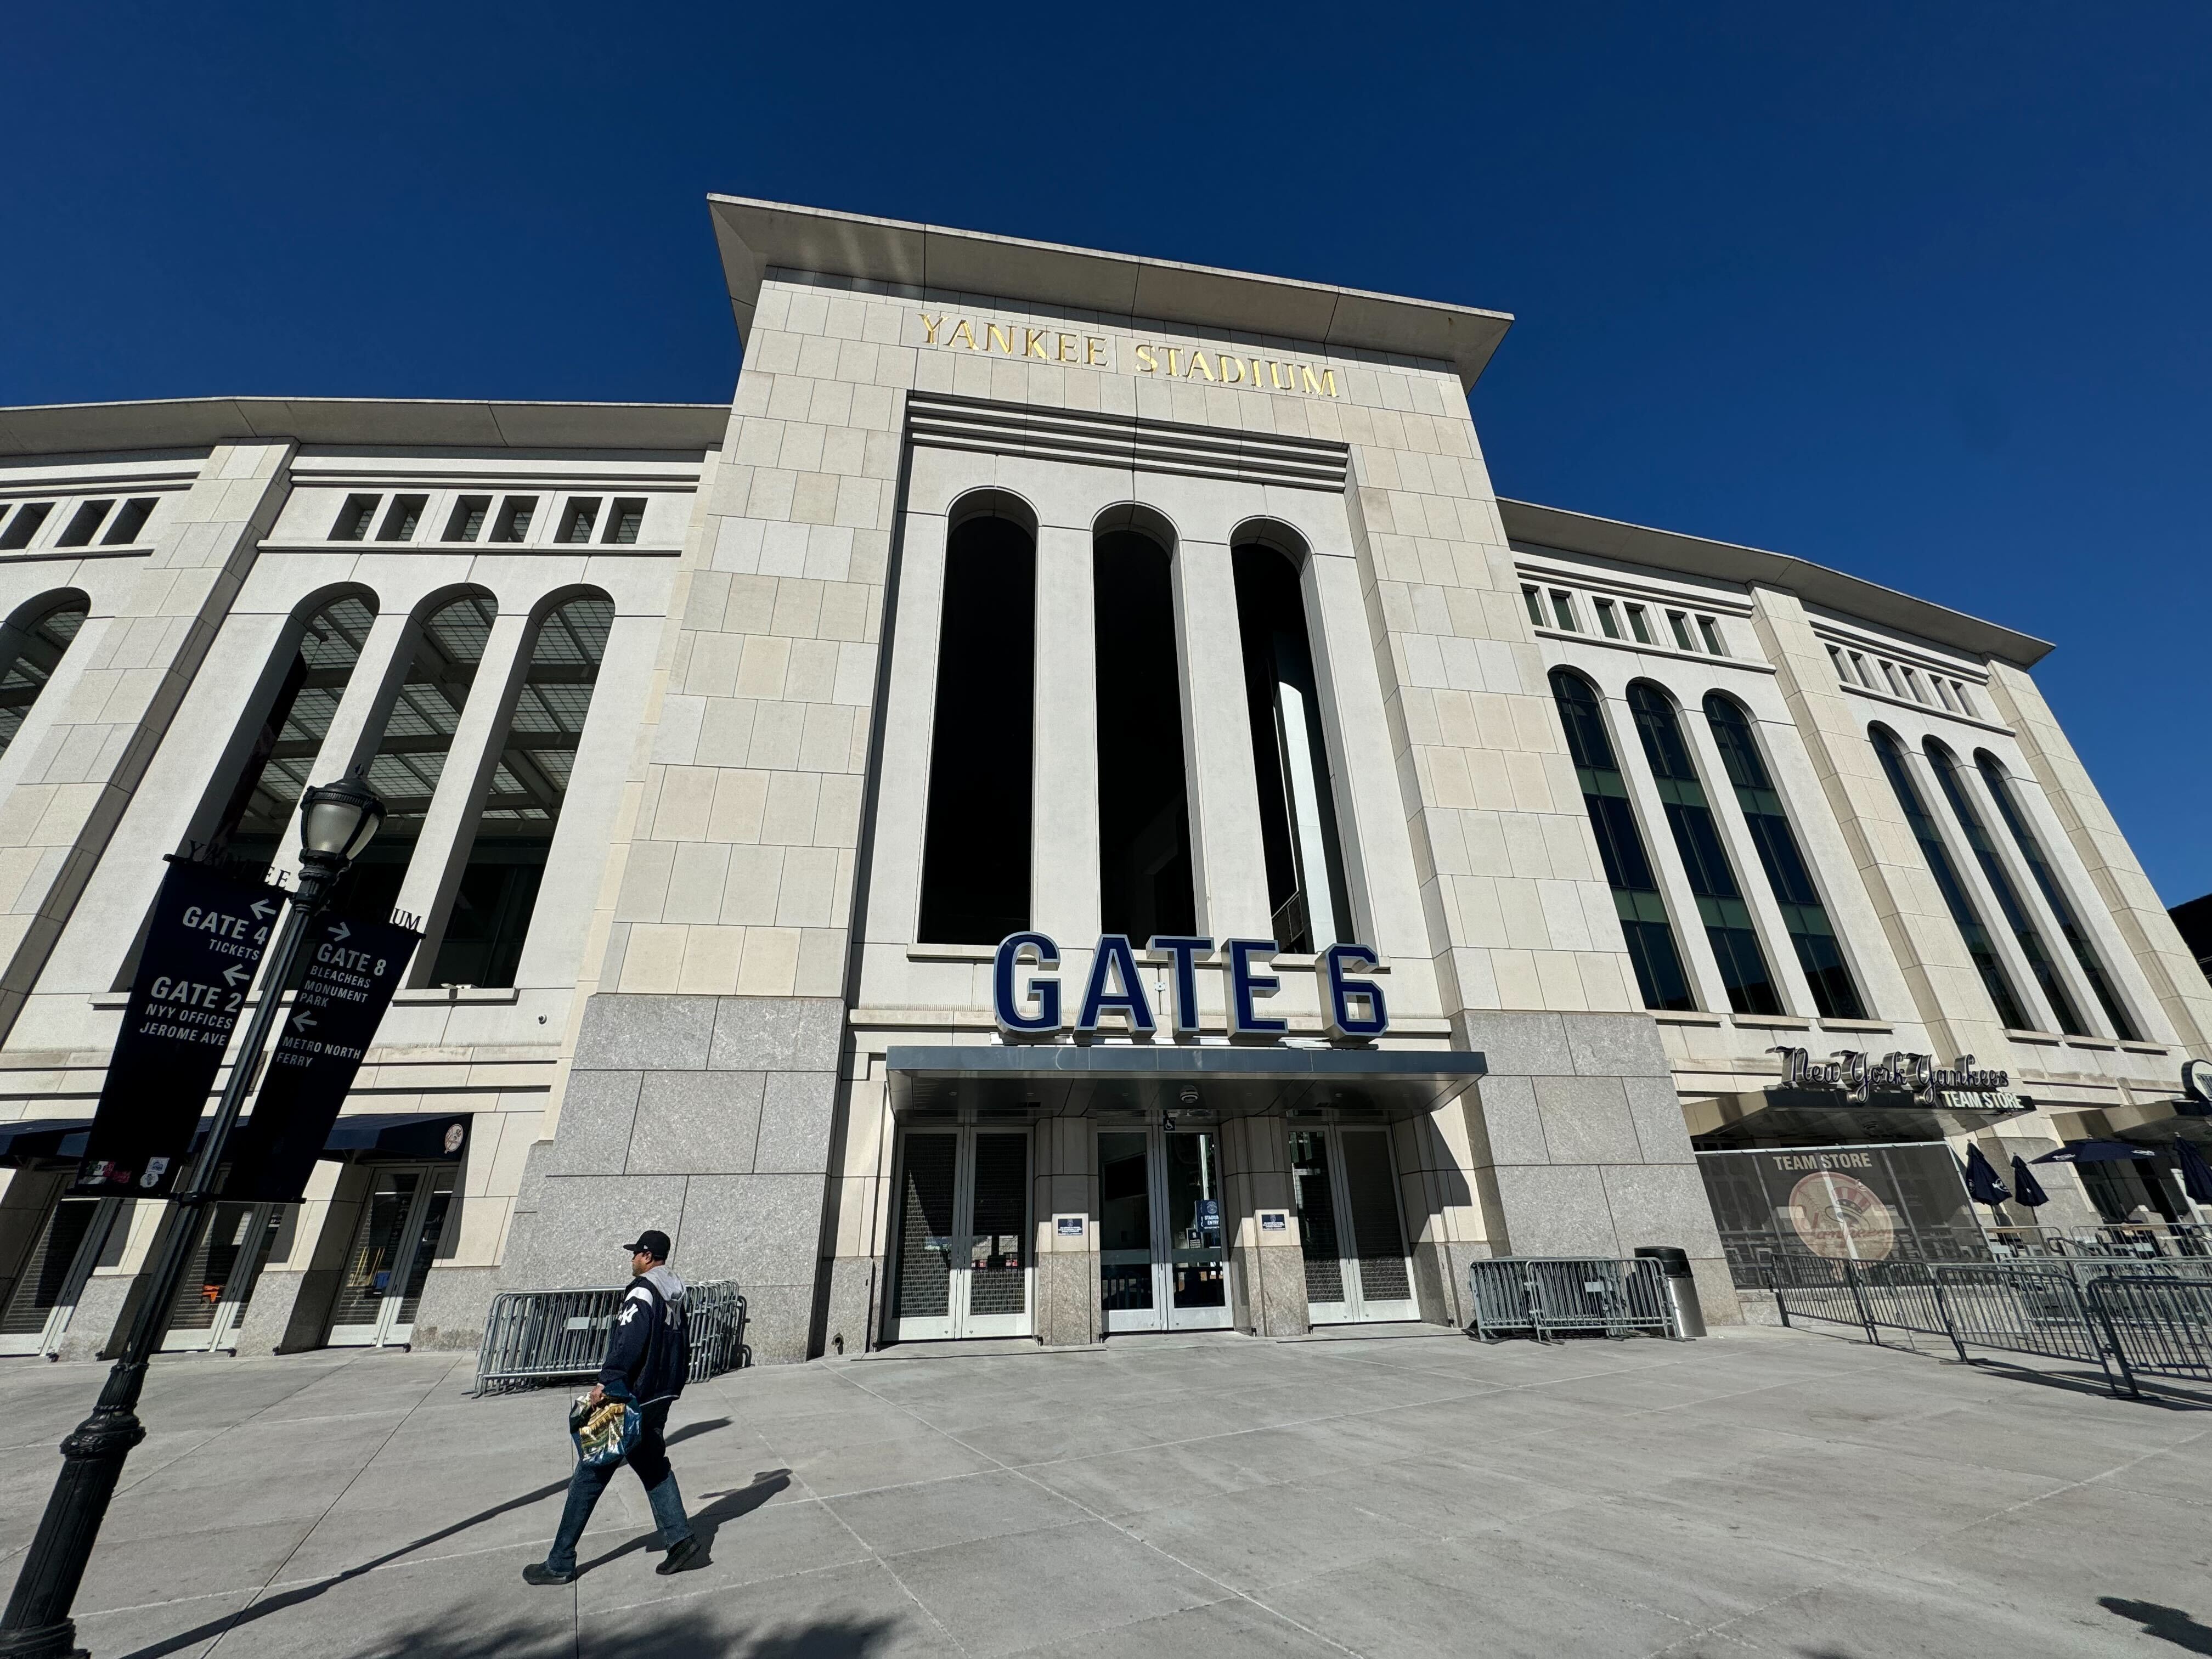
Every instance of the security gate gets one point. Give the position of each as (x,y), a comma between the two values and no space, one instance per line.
(392,1249)
(964,1246)
(1161,1264)
(44,1294)
(1349,1227)
(218,1282)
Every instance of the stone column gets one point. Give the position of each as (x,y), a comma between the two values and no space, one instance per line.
(1270,1267)
(1064,780)
(1066,1184)
(1229,861)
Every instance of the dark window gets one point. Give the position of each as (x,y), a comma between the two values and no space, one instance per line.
(129,522)
(1712,636)
(624,523)
(1681,632)
(1534,601)
(447,647)
(1636,899)
(467,521)
(24,526)
(1812,935)
(2031,853)
(256,819)
(1639,624)
(2017,916)
(1290,755)
(1607,619)
(401,518)
(578,517)
(84,525)
(1144,817)
(1563,608)
(515,515)
(975,854)
(1726,918)
(32,645)
(1961,908)
(497,892)
(354,517)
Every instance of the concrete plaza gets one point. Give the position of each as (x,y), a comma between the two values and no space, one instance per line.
(1764,1494)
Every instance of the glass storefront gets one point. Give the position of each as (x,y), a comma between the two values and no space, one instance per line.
(1902,1201)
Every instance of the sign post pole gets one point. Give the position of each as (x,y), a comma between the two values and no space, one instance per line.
(37,1623)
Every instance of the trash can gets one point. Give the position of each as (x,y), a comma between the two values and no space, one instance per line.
(1681,1287)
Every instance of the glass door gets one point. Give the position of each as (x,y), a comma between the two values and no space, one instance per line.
(1162,1264)
(233,1245)
(1349,1227)
(44,1294)
(394,1250)
(963,1250)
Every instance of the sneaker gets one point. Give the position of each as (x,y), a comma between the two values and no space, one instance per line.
(538,1573)
(684,1555)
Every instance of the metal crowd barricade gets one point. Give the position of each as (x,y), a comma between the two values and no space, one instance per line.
(1543,1296)
(547,1336)
(2127,1318)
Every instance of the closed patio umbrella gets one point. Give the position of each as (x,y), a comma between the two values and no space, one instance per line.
(2196,1173)
(2025,1187)
(1984,1185)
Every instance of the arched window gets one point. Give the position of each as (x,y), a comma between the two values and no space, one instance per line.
(2024,930)
(2031,853)
(1979,946)
(975,849)
(1290,755)
(1744,973)
(256,819)
(1143,813)
(447,647)
(32,645)
(1812,935)
(1636,900)
(497,891)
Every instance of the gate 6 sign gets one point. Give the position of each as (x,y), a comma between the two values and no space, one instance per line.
(1032,1008)
(205,939)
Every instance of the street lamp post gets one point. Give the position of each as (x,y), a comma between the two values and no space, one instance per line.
(336,823)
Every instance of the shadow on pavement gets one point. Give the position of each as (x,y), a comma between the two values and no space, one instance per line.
(678,1634)
(705,1523)
(2167,1623)
(286,1600)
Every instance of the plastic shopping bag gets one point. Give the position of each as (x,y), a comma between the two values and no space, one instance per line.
(607,1432)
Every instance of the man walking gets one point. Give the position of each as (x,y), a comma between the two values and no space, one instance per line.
(647,1362)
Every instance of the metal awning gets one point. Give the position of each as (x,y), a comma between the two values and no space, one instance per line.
(35,1140)
(1077,1081)
(1823,1117)
(2154,1122)
(411,1136)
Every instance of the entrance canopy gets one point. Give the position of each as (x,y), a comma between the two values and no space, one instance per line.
(1825,1117)
(1079,1080)
(55,1143)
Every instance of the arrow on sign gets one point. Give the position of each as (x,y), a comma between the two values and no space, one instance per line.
(342,933)
(232,974)
(262,909)
(302,1021)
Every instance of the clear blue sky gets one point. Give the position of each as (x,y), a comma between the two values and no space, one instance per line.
(1918,291)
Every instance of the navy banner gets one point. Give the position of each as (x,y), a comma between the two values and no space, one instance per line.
(207,936)
(352,968)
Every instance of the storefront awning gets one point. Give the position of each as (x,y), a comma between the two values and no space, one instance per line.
(413,1136)
(38,1140)
(2154,1122)
(1824,1117)
(1073,1080)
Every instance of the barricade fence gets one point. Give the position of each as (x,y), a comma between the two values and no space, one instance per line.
(1544,1296)
(550,1336)
(2129,1318)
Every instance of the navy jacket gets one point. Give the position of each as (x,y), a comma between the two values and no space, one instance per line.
(649,1355)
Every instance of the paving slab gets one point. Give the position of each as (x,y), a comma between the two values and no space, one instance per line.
(1778,1493)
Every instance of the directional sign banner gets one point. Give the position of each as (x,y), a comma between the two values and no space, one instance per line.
(206,939)
(352,968)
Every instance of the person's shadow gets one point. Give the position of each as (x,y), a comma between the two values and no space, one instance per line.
(2167,1623)
(728,1506)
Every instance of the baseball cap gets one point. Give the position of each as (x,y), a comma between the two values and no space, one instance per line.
(653,1243)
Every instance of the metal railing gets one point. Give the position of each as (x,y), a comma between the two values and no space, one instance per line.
(2136,1240)
(2129,1320)
(547,1336)
(1546,1295)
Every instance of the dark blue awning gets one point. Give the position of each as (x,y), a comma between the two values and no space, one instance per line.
(36,1139)
(399,1135)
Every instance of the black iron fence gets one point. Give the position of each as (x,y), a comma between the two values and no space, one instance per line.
(2131,1319)
(550,1336)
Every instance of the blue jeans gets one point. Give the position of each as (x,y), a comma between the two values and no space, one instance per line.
(649,1457)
